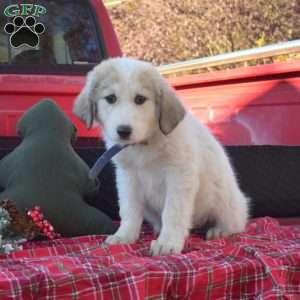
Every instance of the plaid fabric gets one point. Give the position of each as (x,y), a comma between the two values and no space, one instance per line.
(263,263)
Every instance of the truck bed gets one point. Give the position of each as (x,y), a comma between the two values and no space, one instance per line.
(249,106)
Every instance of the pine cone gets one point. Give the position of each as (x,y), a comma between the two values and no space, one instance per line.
(20,223)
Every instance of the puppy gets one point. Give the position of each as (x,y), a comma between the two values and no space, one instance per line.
(174,174)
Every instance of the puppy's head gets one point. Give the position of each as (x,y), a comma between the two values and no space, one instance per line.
(130,99)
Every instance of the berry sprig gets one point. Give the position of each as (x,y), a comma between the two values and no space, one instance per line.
(19,223)
(43,224)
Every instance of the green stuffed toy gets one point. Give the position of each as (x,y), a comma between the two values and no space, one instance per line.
(44,170)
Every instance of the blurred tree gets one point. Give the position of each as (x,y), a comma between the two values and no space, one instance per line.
(166,31)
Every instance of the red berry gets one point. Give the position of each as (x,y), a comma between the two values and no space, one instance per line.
(35,219)
(39,224)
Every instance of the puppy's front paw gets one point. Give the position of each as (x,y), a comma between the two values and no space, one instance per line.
(119,239)
(165,247)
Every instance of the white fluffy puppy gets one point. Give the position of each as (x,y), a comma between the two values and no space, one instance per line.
(175,174)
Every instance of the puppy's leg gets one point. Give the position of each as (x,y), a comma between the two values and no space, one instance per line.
(131,209)
(177,212)
(231,216)
(154,219)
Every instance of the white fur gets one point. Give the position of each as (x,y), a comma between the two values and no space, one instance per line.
(177,180)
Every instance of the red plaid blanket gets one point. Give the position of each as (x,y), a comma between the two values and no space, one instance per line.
(263,263)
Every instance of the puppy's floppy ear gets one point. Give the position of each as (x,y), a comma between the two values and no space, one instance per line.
(171,110)
(84,105)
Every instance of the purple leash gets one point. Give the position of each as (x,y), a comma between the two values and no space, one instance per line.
(103,160)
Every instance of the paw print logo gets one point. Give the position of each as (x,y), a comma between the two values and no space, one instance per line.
(24,31)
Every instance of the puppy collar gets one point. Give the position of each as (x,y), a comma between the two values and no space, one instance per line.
(103,160)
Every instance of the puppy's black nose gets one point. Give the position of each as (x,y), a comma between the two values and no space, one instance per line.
(124,131)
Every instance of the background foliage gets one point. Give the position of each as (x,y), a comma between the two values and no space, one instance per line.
(166,31)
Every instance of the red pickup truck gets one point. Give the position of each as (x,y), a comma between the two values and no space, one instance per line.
(78,35)
(243,106)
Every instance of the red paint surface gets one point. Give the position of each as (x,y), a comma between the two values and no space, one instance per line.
(254,105)
(111,42)
(20,92)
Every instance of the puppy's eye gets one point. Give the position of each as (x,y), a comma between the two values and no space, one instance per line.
(111,99)
(139,99)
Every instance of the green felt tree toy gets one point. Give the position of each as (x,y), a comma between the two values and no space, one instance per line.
(45,171)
